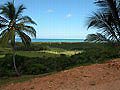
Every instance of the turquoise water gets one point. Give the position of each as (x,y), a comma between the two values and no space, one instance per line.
(54,40)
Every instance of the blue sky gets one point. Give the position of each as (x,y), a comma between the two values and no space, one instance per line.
(59,19)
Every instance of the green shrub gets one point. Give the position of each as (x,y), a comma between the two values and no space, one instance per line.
(35,69)
(92,53)
(96,55)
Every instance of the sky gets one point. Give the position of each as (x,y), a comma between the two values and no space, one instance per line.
(59,19)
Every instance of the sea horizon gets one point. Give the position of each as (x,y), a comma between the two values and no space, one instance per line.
(52,40)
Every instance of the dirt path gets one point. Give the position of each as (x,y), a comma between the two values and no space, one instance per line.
(95,77)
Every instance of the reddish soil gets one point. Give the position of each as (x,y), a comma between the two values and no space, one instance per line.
(94,77)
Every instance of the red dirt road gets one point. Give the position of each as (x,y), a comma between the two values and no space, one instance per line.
(94,77)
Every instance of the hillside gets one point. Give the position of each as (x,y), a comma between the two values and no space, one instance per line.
(94,77)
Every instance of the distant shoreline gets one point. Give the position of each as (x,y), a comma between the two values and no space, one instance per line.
(54,40)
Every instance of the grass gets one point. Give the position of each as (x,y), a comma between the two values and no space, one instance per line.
(23,78)
(69,53)
(7,80)
(35,54)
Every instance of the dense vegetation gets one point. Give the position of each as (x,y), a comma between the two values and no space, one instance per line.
(36,60)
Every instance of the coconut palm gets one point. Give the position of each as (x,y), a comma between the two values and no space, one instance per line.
(106,20)
(111,7)
(13,24)
(97,37)
(104,23)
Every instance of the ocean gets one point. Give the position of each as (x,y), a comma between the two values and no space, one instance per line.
(53,40)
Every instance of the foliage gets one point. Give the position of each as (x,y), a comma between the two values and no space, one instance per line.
(13,24)
(106,20)
(34,63)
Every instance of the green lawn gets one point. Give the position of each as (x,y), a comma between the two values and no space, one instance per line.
(69,53)
(51,52)
(35,54)
(44,53)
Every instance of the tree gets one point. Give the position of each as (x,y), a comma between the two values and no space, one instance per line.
(96,37)
(13,24)
(106,20)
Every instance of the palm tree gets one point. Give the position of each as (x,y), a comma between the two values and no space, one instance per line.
(111,7)
(13,24)
(106,20)
(97,37)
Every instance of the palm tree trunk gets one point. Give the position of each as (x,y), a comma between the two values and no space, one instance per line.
(14,63)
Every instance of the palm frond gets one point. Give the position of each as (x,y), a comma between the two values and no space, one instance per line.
(3,20)
(3,32)
(30,30)
(104,6)
(5,37)
(27,29)
(25,38)
(19,11)
(2,26)
(96,37)
(26,20)
(8,10)
(105,23)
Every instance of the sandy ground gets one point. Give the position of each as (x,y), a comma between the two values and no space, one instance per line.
(94,77)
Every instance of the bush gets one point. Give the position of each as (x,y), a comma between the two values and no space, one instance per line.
(33,66)
(45,64)
(96,56)
(35,69)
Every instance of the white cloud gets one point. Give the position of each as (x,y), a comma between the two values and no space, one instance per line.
(50,11)
(68,15)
